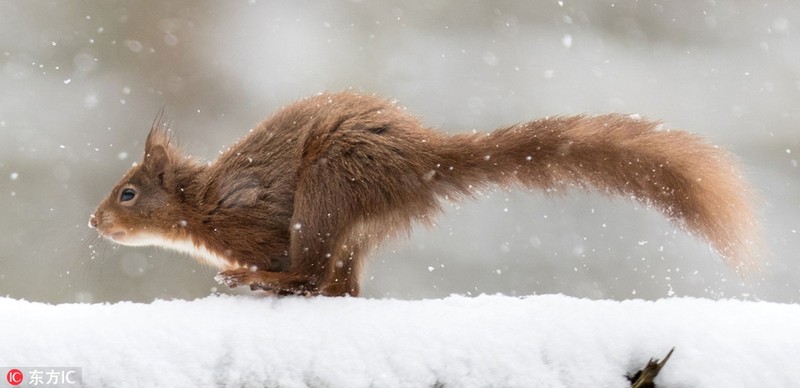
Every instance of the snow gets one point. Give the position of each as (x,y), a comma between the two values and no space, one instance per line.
(542,341)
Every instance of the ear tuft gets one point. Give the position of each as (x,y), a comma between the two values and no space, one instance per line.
(159,133)
(158,152)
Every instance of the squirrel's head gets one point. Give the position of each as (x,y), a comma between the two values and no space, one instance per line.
(144,205)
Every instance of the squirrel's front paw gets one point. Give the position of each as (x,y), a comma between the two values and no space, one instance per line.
(270,282)
(242,277)
(235,278)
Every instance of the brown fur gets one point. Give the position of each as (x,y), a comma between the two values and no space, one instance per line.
(296,205)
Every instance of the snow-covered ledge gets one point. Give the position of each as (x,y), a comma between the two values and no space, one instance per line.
(537,341)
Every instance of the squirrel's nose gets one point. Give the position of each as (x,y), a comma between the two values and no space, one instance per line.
(93,222)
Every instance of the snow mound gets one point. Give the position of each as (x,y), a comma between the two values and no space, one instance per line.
(541,341)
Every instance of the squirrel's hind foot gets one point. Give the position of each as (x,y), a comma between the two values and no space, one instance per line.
(279,283)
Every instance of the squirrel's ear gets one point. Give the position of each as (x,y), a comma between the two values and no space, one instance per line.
(156,161)
(157,151)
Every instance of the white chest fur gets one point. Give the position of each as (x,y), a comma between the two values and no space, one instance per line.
(198,251)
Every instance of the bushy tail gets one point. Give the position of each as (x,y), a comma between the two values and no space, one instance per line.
(693,183)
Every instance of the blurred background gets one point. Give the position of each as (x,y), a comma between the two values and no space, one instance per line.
(81,81)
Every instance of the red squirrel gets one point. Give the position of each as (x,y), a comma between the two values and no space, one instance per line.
(295,206)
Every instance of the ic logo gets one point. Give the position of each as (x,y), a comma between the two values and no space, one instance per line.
(14,377)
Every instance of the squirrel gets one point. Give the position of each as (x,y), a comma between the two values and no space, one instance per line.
(295,206)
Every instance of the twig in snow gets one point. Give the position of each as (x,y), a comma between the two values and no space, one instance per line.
(644,378)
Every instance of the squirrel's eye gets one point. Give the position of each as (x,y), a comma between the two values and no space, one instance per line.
(127,195)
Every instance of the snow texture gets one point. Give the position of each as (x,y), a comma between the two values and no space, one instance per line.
(536,341)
